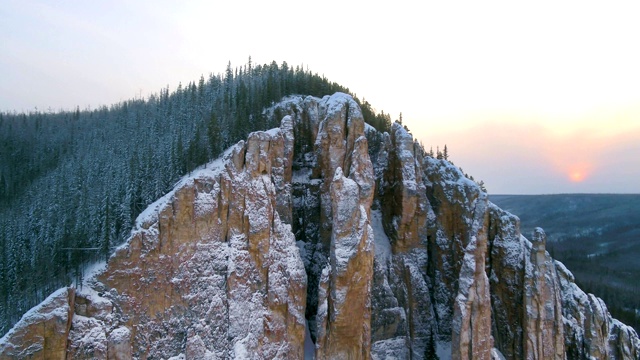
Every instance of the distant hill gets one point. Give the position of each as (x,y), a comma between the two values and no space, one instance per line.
(596,235)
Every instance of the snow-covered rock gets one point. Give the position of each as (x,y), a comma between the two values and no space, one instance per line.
(87,338)
(590,331)
(295,243)
(402,309)
(214,271)
(42,332)
(525,291)
(211,271)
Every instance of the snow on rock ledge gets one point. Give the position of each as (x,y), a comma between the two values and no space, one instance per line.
(43,331)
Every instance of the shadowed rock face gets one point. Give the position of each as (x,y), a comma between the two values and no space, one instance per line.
(380,250)
(525,291)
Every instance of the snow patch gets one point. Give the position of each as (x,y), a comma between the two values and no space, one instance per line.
(88,333)
(93,297)
(273,132)
(302,176)
(368,128)
(309,346)
(382,243)
(89,274)
(496,355)
(390,349)
(443,350)
(120,334)
(335,103)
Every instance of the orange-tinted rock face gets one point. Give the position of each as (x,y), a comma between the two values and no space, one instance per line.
(211,271)
(543,329)
(379,249)
(218,273)
(345,332)
(41,333)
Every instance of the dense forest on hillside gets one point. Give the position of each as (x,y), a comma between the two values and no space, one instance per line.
(73,182)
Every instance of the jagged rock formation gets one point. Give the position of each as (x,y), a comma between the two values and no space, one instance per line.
(590,331)
(43,330)
(525,293)
(379,250)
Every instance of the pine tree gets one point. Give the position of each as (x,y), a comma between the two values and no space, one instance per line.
(213,135)
(106,237)
(445,153)
(482,186)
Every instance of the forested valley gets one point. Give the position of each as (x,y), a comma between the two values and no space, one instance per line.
(73,182)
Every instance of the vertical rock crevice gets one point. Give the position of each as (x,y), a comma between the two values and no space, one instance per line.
(333,185)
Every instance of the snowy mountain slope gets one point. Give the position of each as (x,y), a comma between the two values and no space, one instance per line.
(382,250)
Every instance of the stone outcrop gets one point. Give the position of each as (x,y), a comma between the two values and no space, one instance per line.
(461,283)
(345,310)
(543,332)
(525,291)
(335,184)
(211,270)
(214,271)
(43,332)
(590,331)
(360,238)
(432,291)
(403,313)
(343,332)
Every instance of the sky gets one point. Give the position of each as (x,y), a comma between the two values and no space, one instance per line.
(530,97)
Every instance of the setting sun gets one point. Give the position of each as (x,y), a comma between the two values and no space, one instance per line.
(577,176)
(579,172)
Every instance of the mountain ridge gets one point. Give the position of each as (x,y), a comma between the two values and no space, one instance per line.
(216,271)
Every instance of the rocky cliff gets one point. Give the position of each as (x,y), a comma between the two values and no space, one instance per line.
(325,238)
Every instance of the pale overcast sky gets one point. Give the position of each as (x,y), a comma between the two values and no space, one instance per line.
(542,97)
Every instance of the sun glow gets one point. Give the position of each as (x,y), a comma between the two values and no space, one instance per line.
(577,176)
(579,172)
